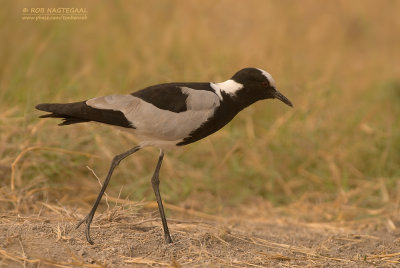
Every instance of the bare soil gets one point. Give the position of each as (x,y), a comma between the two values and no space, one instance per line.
(131,236)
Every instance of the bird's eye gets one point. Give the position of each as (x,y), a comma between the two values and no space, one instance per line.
(265,84)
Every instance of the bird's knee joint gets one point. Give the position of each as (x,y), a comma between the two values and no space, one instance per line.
(117,159)
(155,181)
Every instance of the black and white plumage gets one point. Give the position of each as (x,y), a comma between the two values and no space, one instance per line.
(169,115)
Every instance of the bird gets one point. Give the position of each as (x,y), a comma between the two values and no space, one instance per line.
(167,116)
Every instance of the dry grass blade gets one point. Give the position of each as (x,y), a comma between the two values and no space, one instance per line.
(380,256)
(12,257)
(275,256)
(140,260)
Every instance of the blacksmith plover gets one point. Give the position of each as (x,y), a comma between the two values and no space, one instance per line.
(167,116)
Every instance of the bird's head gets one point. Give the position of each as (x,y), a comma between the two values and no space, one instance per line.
(257,84)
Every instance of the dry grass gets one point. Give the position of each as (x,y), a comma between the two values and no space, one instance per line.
(130,233)
(332,160)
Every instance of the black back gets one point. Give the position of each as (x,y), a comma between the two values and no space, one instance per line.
(169,96)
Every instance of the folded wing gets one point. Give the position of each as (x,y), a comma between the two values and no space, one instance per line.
(165,112)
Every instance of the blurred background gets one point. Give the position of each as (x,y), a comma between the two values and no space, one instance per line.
(337,61)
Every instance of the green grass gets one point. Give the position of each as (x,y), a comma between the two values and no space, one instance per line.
(337,62)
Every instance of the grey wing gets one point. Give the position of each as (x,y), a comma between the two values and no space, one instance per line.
(152,122)
(123,103)
(200,99)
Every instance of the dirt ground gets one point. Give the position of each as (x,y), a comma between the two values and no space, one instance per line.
(130,235)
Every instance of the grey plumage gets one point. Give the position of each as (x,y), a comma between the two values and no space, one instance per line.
(198,100)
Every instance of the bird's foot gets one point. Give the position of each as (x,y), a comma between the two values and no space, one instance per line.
(88,220)
(168,239)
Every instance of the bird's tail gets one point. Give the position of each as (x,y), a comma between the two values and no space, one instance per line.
(71,113)
(79,112)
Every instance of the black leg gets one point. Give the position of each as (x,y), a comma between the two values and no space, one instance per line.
(155,182)
(116,160)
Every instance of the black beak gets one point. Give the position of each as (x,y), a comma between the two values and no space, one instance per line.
(282,98)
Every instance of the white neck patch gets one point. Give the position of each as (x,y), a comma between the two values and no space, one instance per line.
(269,77)
(229,86)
